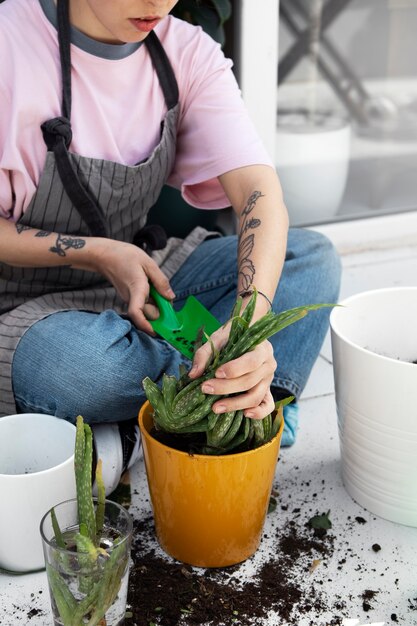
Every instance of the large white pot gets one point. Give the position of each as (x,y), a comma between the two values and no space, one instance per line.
(312,162)
(36,472)
(374,344)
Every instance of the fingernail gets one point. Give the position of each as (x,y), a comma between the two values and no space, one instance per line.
(207,388)
(171,293)
(220,374)
(192,370)
(220,408)
(249,414)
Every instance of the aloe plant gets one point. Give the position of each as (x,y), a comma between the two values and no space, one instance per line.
(181,408)
(101,572)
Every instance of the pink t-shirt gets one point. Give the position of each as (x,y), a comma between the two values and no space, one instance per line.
(117,107)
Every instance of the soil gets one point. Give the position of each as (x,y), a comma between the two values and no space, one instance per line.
(191,443)
(183,443)
(167,593)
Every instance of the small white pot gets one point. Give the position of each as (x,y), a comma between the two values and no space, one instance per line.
(36,472)
(374,344)
(312,162)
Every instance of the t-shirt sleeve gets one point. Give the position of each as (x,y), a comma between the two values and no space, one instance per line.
(13,181)
(6,192)
(215,132)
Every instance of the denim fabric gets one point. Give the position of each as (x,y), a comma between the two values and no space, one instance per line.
(77,362)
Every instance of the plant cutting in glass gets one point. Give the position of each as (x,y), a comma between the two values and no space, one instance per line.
(181,408)
(90,560)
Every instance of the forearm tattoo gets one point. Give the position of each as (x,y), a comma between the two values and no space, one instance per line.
(20,228)
(62,243)
(247,242)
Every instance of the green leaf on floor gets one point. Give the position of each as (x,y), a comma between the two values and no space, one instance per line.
(272,505)
(320,521)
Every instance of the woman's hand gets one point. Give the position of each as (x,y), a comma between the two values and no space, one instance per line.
(249,376)
(130,269)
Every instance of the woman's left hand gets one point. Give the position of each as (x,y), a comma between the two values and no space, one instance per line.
(249,376)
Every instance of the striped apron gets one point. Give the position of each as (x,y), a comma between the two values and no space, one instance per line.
(81,196)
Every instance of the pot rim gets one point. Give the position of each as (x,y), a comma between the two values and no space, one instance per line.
(48,470)
(212,457)
(358,296)
(50,543)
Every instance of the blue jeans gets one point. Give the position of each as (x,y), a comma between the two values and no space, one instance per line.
(76,362)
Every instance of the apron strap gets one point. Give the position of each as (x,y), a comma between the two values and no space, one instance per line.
(163,69)
(79,195)
(57,132)
(57,135)
(64,40)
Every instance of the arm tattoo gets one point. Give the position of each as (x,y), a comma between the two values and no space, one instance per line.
(39,233)
(20,228)
(247,241)
(64,243)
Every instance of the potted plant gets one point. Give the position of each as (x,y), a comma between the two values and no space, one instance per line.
(210,476)
(86,544)
(312,140)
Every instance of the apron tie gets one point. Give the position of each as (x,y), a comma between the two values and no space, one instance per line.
(151,237)
(55,128)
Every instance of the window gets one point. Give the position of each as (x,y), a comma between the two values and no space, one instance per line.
(346,137)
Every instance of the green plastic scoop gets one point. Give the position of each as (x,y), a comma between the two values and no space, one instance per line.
(181,328)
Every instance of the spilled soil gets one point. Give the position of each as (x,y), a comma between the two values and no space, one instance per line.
(165,592)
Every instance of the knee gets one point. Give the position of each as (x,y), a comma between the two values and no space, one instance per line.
(93,367)
(320,258)
(327,257)
(332,266)
(106,391)
(116,366)
(110,381)
(112,397)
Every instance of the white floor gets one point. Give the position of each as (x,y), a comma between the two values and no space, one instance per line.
(308,478)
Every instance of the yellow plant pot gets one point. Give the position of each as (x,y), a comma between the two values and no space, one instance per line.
(209,511)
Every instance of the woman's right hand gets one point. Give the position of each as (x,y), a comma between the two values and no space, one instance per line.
(130,269)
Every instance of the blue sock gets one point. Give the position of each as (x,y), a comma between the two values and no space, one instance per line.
(290,425)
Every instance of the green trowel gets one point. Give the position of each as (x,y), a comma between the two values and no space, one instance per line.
(181,328)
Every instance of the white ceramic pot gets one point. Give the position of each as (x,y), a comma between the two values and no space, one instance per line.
(312,162)
(374,344)
(36,472)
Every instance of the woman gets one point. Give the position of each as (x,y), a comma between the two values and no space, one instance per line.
(102,103)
